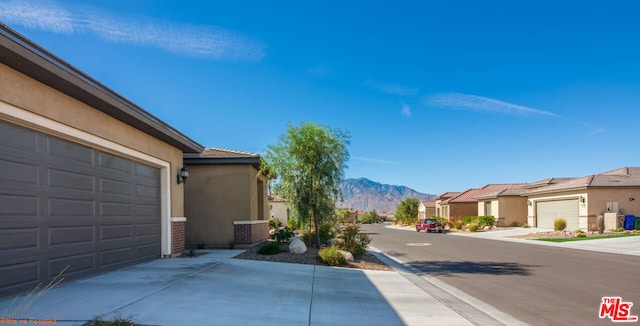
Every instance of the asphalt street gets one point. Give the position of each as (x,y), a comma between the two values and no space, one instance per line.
(539,285)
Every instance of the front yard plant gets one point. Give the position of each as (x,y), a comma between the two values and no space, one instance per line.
(332,256)
(559,224)
(585,238)
(354,241)
(269,248)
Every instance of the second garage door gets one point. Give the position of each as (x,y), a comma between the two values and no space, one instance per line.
(548,211)
(65,204)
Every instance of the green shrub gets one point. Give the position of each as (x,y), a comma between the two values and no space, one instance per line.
(469,219)
(515,224)
(370,217)
(282,235)
(486,221)
(619,230)
(293,224)
(458,224)
(327,232)
(354,241)
(473,227)
(332,256)
(526,226)
(578,231)
(274,224)
(559,224)
(270,248)
(581,235)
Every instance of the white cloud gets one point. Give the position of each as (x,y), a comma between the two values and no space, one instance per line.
(406,110)
(393,89)
(208,42)
(480,103)
(371,160)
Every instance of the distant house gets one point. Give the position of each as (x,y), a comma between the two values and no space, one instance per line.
(225,199)
(280,209)
(426,209)
(465,203)
(580,201)
(442,210)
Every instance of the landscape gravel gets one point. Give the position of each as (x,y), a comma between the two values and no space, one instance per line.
(310,257)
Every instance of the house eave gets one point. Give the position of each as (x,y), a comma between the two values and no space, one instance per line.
(254,161)
(26,57)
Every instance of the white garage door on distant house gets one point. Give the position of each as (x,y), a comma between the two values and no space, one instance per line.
(65,204)
(548,211)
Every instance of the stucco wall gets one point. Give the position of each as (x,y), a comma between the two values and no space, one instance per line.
(512,209)
(597,200)
(279,212)
(218,195)
(458,210)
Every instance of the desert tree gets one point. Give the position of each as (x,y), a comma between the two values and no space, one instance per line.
(306,166)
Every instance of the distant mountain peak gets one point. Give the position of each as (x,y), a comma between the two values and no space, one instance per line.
(365,195)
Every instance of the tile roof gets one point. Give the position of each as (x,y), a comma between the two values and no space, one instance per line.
(428,203)
(470,195)
(276,199)
(622,177)
(447,195)
(503,193)
(545,182)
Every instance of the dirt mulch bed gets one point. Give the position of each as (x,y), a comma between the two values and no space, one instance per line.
(310,257)
(559,234)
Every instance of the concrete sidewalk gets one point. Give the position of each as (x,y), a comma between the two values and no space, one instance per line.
(214,289)
(621,245)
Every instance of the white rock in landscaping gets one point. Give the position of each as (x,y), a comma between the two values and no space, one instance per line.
(297,246)
(347,255)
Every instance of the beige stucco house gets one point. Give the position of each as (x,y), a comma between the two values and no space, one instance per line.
(582,200)
(465,203)
(225,199)
(426,208)
(87,178)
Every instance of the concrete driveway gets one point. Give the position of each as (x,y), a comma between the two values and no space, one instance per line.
(214,289)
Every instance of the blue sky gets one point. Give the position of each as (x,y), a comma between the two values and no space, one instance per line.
(437,95)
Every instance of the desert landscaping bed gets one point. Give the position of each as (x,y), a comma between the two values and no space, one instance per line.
(310,257)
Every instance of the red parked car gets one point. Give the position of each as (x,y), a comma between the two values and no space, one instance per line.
(429,225)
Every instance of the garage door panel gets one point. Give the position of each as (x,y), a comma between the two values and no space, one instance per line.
(18,238)
(68,154)
(17,140)
(20,276)
(18,172)
(115,164)
(115,187)
(18,205)
(116,232)
(71,235)
(63,203)
(72,265)
(74,181)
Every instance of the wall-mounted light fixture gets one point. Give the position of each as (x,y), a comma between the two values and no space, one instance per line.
(631,199)
(183,175)
(581,199)
(529,202)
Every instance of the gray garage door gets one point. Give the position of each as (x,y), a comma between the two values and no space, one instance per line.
(64,204)
(548,211)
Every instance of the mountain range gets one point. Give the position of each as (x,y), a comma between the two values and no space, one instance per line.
(365,195)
